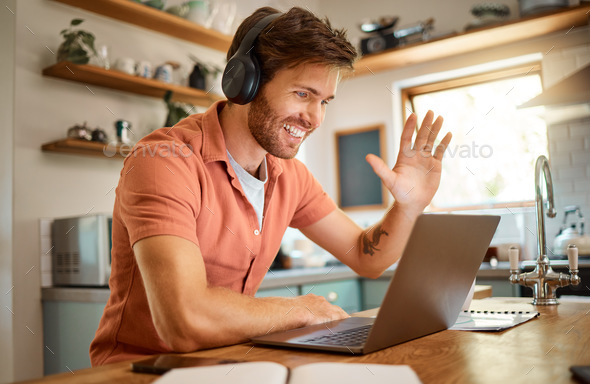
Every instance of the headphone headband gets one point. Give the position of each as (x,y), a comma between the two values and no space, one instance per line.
(247,42)
(242,74)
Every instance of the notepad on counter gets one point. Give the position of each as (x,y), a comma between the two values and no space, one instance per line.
(489,315)
(265,372)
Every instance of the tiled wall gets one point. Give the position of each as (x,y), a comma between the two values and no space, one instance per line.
(45,255)
(569,141)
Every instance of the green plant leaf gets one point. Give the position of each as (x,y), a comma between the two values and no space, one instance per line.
(78,56)
(76,22)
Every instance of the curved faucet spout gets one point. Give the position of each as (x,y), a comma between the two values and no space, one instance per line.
(542,165)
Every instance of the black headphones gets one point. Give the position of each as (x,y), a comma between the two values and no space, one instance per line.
(241,76)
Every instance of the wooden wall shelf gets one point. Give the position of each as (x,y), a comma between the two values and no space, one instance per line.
(487,37)
(109,78)
(84,147)
(147,17)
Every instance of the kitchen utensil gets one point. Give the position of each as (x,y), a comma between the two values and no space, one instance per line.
(531,7)
(99,135)
(80,132)
(122,127)
(144,69)
(164,73)
(572,234)
(125,65)
(383,23)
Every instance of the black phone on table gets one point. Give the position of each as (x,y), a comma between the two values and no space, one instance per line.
(161,364)
(582,373)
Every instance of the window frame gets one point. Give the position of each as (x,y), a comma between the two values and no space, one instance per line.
(408,93)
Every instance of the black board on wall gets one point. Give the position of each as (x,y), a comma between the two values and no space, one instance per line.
(358,185)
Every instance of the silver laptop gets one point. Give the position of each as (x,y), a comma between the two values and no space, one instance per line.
(425,295)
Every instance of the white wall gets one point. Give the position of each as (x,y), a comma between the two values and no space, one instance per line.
(7,33)
(56,185)
(367,99)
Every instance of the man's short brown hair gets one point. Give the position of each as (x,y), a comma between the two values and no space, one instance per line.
(295,37)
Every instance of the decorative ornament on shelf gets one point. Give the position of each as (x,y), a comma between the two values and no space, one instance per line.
(78,46)
(488,14)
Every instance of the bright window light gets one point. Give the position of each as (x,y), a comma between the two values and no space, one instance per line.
(491,158)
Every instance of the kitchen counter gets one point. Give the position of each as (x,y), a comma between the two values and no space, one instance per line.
(540,350)
(296,276)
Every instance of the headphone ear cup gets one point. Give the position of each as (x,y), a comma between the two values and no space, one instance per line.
(241,79)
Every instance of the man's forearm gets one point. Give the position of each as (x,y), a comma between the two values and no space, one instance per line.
(382,244)
(224,317)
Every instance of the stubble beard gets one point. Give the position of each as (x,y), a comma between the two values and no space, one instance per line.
(266,128)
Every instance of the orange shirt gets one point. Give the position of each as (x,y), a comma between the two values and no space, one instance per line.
(178,181)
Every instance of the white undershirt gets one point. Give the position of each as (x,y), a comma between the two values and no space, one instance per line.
(253,187)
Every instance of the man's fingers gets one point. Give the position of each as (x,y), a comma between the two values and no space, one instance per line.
(408,132)
(378,165)
(436,126)
(424,131)
(442,147)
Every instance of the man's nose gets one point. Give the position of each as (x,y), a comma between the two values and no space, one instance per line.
(315,114)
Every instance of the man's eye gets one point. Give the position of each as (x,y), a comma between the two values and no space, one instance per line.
(302,94)
(325,102)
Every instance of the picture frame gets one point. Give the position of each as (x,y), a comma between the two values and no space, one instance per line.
(357,184)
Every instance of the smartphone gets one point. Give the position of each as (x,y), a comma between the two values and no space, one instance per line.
(161,364)
(581,373)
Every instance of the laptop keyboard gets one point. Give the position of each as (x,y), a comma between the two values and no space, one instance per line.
(350,337)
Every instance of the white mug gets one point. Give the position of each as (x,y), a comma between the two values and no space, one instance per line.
(126,65)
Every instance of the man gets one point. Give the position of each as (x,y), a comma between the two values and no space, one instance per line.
(201,207)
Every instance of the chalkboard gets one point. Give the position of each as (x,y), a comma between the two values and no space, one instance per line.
(358,185)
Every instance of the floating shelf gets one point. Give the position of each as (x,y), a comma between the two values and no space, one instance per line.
(474,40)
(109,78)
(147,17)
(84,147)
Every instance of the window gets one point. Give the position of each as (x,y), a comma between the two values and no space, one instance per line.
(491,159)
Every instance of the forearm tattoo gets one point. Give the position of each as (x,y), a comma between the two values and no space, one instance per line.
(370,245)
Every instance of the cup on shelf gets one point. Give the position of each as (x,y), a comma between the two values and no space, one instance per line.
(144,68)
(199,12)
(164,73)
(104,57)
(125,65)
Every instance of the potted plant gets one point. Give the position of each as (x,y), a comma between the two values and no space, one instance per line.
(78,45)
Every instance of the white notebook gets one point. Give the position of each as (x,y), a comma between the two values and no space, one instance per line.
(265,372)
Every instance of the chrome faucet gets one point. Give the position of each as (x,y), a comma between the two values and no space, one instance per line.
(543,280)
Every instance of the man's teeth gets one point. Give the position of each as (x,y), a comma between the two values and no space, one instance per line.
(294,131)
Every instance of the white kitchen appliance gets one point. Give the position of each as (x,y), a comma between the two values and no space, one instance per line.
(81,253)
(572,234)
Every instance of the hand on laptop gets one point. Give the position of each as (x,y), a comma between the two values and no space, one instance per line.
(414,179)
(320,310)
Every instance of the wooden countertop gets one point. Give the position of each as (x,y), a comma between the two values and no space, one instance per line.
(540,350)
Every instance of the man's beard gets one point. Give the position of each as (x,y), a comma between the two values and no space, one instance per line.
(267,127)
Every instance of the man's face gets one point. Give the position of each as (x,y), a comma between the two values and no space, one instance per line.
(290,106)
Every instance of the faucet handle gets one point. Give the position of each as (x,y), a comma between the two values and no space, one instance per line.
(513,257)
(572,257)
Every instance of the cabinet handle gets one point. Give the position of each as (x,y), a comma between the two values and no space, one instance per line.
(332,297)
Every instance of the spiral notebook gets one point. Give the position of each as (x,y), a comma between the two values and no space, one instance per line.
(488,315)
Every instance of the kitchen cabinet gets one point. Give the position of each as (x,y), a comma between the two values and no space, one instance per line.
(373,292)
(68,330)
(287,291)
(344,293)
(474,40)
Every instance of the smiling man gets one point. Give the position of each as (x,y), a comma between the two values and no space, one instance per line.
(196,229)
